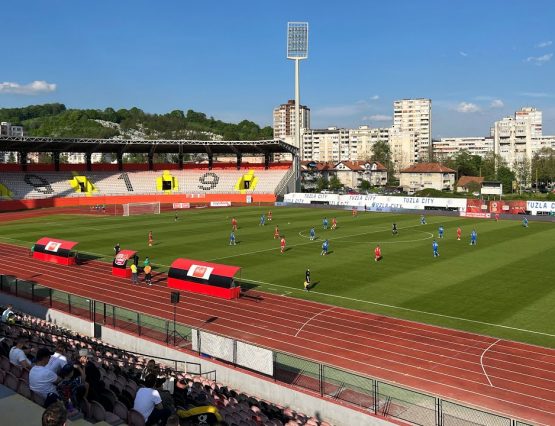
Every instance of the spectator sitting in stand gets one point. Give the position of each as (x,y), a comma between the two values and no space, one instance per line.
(149,404)
(58,360)
(43,380)
(72,388)
(55,415)
(17,354)
(150,368)
(7,313)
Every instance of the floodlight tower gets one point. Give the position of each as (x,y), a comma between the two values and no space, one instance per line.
(297,49)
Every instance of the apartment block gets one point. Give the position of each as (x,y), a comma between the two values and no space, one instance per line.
(415,116)
(284,121)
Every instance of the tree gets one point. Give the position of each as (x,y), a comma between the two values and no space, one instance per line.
(488,165)
(473,187)
(522,169)
(322,183)
(506,177)
(465,164)
(543,166)
(335,183)
(364,185)
(381,152)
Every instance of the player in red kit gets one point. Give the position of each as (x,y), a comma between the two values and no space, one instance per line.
(497,217)
(333,224)
(377,253)
(459,232)
(150,239)
(270,216)
(234,224)
(354,211)
(282,244)
(276,232)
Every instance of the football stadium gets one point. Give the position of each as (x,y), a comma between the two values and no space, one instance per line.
(247,302)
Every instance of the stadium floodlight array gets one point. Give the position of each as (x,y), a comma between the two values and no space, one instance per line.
(297,49)
(132,209)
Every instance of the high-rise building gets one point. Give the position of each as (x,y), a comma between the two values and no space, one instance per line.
(9,130)
(331,144)
(364,138)
(415,116)
(514,136)
(447,147)
(403,149)
(284,121)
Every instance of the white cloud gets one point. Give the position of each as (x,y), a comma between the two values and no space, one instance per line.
(375,97)
(467,107)
(497,103)
(540,60)
(377,117)
(463,53)
(544,44)
(33,88)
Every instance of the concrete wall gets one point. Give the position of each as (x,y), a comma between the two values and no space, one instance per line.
(258,386)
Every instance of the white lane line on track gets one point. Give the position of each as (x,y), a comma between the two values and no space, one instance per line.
(482,360)
(311,318)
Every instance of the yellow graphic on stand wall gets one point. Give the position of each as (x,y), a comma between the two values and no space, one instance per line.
(5,192)
(246,182)
(167,182)
(82,184)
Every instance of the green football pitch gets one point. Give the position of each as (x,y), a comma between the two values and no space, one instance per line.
(503,286)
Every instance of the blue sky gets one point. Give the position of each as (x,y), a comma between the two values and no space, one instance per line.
(477,60)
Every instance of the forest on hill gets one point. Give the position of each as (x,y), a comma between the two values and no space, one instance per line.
(55,120)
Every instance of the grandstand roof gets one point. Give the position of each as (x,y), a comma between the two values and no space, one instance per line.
(43,144)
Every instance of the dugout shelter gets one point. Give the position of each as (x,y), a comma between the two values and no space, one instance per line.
(121,266)
(56,251)
(212,279)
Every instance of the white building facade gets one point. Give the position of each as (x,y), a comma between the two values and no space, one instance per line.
(9,130)
(447,147)
(284,121)
(415,116)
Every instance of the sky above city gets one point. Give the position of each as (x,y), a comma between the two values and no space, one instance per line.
(477,60)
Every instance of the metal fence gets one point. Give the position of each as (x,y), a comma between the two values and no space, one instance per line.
(370,394)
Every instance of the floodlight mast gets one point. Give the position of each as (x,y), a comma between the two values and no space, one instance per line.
(297,49)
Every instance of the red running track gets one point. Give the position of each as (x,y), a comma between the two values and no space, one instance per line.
(509,378)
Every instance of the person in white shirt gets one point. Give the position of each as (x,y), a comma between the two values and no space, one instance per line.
(42,380)
(6,313)
(58,360)
(149,403)
(17,356)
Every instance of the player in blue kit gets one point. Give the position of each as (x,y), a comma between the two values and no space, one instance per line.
(422,220)
(325,223)
(435,247)
(262,220)
(440,231)
(525,222)
(473,237)
(325,246)
(232,241)
(312,234)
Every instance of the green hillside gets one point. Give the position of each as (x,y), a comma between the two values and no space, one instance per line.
(55,120)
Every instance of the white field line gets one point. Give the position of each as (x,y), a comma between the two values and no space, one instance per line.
(310,319)
(482,360)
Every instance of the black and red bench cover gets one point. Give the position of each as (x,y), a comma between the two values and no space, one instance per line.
(55,250)
(119,265)
(209,278)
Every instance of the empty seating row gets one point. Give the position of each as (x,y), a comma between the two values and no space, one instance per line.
(33,185)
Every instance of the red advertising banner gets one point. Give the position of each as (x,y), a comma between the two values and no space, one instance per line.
(476,215)
(474,206)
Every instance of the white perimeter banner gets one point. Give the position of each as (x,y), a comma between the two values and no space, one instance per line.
(377,202)
(540,206)
(181,205)
(220,203)
(199,271)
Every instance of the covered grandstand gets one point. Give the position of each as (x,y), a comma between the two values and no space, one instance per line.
(222,172)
